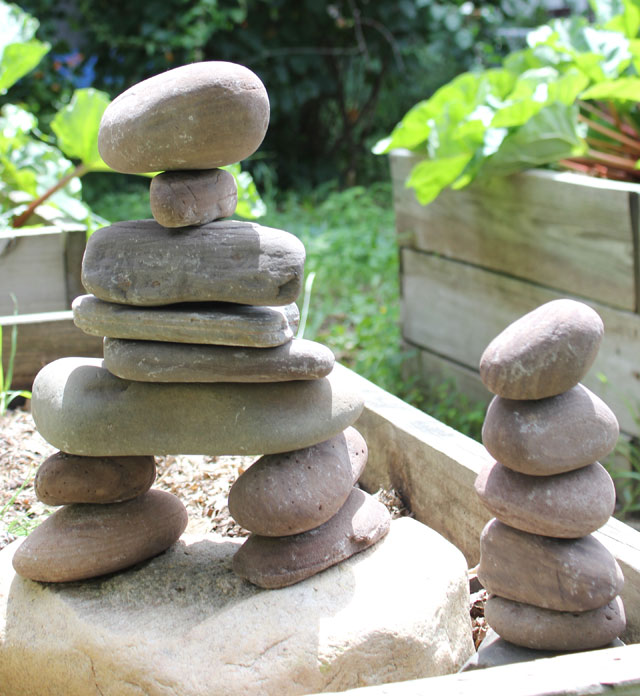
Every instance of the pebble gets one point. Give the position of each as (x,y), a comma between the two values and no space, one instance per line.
(142,263)
(197,116)
(155,361)
(568,505)
(561,574)
(206,323)
(550,436)
(293,492)
(180,199)
(544,353)
(79,407)
(64,478)
(544,629)
(78,542)
(273,562)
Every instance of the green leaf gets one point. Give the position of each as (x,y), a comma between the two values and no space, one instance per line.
(624,17)
(429,177)
(624,88)
(250,206)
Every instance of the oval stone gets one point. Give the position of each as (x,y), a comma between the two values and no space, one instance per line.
(272,562)
(64,478)
(84,541)
(545,629)
(197,116)
(543,353)
(568,505)
(180,199)
(141,263)
(560,574)
(80,407)
(551,435)
(155,361)
(292,492)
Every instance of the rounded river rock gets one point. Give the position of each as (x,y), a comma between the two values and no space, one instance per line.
(293,492)
(198,116)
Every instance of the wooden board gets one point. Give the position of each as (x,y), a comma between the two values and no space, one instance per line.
(561,230)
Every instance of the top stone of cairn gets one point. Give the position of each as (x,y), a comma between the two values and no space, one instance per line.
(199,116)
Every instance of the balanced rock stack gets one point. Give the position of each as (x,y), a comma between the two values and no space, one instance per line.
(200,357)
(552,584)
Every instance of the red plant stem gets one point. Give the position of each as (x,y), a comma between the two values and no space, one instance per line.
(613,160)
(603,145)
(21,219)
(614,135)
(600,113)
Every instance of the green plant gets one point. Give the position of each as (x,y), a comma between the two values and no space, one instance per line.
(7,395)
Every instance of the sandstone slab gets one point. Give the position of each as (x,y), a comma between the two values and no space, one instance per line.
(85,541)
(181,199)
(64,478)
(292,492)
(559,574)
(176,624)
(81,408)
(550,436)
(140,262)
(156,361)
(197,116)
(568,505)
(200,323)
(544,353)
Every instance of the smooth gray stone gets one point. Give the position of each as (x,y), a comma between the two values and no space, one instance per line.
(155,361)
(142,263)
(81,408)
(197,116)
(206,323)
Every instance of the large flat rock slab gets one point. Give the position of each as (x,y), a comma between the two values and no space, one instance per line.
(183,623)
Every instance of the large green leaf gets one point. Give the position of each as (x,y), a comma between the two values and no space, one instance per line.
(624,88)
(429,177)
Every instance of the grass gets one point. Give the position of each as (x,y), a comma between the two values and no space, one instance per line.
(7,395)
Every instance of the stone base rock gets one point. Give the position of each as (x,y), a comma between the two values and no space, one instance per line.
(183,623)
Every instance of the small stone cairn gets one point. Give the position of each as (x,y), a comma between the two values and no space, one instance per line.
(200,357)
(552,585)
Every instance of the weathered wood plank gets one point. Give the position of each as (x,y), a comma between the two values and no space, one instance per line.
(561,230)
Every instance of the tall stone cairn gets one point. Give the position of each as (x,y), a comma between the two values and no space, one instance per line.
(199,317)
(552,585)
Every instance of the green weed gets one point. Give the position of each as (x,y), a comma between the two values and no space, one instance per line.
(7,395)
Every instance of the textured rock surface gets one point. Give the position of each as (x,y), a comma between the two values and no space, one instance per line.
(567,505)
(85,541)
(296,491)
(280,561)
(552,435)
(198,116)
(67,478)
(142,263)
(560,574)
(206,323)
(543,629)
(183,623)
(180,199)
(80,407)
(155,361)
(543,353)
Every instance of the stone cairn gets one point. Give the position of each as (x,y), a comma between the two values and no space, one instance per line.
(552,585)
(200,357)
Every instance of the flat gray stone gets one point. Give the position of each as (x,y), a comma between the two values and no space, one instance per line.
(201,323)
(184,623)
(155,361)
(180,199)
(197,116)
(141,263)
(81,408)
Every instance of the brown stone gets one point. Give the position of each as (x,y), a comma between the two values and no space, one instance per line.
(560,574)
(543,353)
(64,478)
(550,436)
(568,505)
(180,199)
(197,116)
(545,629)
(84,541)
(272,562)
(292,492)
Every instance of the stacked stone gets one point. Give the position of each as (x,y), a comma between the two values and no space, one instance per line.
(552,584)
(199,316)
